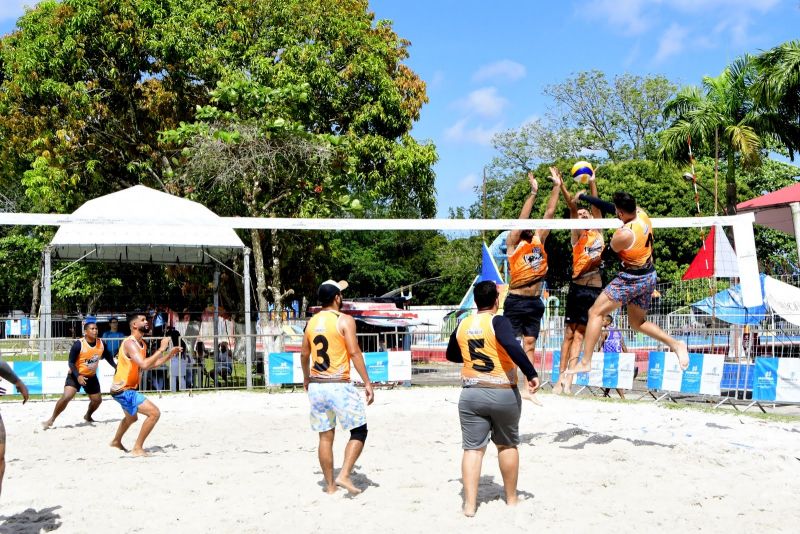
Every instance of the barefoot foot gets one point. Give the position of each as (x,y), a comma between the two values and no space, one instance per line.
(347,484)
(138,451)
(582,367)
(88,419)
(469,510)
(47,424)
(118,445)
(330,490)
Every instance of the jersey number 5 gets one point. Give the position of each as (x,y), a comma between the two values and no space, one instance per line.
(486,364)
(321,344)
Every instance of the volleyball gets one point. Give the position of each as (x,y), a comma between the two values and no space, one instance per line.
(581,172)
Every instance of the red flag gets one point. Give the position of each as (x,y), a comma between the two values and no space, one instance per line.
(703,264)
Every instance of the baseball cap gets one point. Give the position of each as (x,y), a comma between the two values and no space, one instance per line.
(90,319)
(329,289)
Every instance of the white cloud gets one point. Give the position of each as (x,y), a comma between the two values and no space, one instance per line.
(436,80)
(627,16)
(484,102)
(505,70)
(462,132)
(13,9)
(704,6)
(467,183)
(638,17)
(673,42)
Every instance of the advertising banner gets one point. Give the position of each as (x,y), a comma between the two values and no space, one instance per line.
(777,379)
(281,368)
(663,372)
(31,375)
(400,366)
(377,367)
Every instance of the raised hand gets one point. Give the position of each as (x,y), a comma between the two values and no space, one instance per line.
(555,175)
(534,183)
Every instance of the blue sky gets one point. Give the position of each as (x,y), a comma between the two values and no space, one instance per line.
(486,63)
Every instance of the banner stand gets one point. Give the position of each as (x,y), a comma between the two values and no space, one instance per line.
(664,394)
(755,403)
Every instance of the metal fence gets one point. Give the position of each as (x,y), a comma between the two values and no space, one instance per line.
(204,366)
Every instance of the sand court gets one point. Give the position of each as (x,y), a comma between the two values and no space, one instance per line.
(247,462)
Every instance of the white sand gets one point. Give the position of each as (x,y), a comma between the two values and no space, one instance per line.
(246,462)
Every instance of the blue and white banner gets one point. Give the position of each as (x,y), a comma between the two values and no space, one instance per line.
(395,366)
(609,370)
(377,367)
(283,368)
(664,372)
(777,379)
(48,378)
(31,375)
(703,375)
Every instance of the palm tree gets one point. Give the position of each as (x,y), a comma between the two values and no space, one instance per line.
(777,87)
(721,115)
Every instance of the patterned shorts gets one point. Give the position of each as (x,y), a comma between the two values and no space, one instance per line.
(634,289)
(332,402)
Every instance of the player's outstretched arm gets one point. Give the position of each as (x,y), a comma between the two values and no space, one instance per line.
(514,235)
(552,202)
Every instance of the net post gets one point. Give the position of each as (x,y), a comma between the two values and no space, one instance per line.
(247,327)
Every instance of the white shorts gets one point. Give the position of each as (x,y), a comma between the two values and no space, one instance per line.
(338,401)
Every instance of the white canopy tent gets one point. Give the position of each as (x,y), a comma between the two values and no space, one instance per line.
(142,225)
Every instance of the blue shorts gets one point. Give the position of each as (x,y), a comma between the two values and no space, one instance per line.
(634,289)
(130,399)
(337,401)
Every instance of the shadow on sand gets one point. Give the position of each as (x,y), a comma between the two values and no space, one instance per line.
(489,490)
(31,522)
(360,480)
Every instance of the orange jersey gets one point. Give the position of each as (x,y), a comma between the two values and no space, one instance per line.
(586,253)
(640,253)
(330,360)
(89,357)
(127,374)
(528,263)
(486,363)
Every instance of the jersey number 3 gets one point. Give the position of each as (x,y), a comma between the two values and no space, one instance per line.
(321,344)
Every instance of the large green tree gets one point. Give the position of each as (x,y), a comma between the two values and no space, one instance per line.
(777,87)
(88,87)
(721,118)
(619,117)
(312,119)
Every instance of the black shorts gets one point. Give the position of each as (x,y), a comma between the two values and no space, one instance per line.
(579,300)
(92,386)
(525,314)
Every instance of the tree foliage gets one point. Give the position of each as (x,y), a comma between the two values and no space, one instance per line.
(619,117)
(777,87)
(310,99)
(723,116)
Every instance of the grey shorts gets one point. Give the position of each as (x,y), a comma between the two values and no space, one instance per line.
(489,412)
